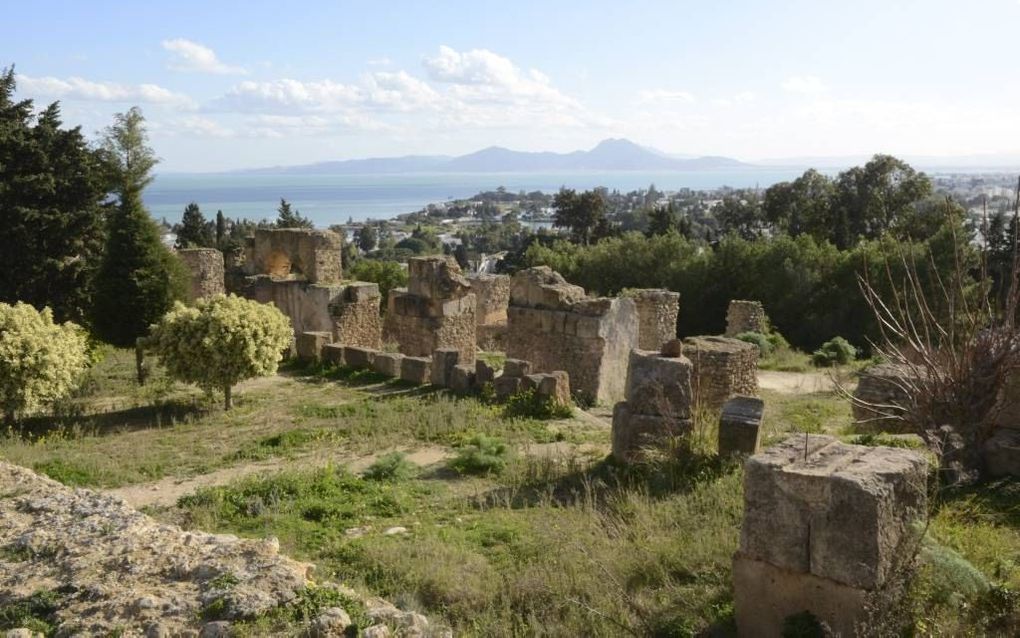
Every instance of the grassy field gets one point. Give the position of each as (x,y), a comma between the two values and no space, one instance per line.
(516,527)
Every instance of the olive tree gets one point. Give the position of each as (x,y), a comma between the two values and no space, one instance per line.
(40,361)
(220,341)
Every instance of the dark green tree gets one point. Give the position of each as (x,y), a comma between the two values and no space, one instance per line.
(288,217)
(804,205)
(194,231)
(221,229)
(139,278)
(581,213)
(366,238)
(876,197)
(52,192)
(740,216)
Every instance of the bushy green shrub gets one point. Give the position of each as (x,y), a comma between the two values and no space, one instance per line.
(481,454)
(391,467)
(835,351)
(40,361)
(388,274)
(527,404)
(765,346)
(220,341)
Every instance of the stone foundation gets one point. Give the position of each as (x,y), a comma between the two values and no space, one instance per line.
(657,316)
(205,266)
(658,405)
(309,345)
(554,326)
(723,368)
(492,296)
(745,316)
(824,524)
(436,310)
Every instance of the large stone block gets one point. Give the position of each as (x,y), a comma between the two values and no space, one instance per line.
(542,287)
(416,370)
(462,378)
(360,358)
(516,368)
(745,316)
(484,373)
(883,393)
(506,387)
(443,362)
(554,386)
(436,277)
(740,426)
(388,363)
(659,385)
(815,505)
(657,315)
(333,353)
(309,344)
(723,368)
(634,434)
(492,294)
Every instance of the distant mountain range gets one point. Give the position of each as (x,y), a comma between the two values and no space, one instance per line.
(608,155)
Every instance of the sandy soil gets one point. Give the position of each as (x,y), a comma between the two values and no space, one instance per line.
(797,382)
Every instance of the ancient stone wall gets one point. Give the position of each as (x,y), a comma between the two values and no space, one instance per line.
(354,314)
(723,368)
(492,296)
(555,326)
(295,253)
(824,524)
(435,311)
(657,315)
(887,385)
(745,316)
(205,266)
(658,405)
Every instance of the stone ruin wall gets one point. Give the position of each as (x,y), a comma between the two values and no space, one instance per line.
(492,296)
(745,316)
(884,384)
(435,311)
(555,326)
(723,368)
(658,405)
(295,253)
(205,265)
(657,316)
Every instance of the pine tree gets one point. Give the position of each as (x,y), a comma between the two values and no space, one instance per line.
(194,231)
(139,278)
(221,229)
(291,218)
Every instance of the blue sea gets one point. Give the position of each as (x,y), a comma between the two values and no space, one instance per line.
(333,199)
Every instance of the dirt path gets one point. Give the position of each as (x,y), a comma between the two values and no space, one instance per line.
(166,491)
(797,382)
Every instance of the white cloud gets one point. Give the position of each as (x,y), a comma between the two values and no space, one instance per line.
(186,55)
(287,95)
(808,84)
(76,88)
(660,96)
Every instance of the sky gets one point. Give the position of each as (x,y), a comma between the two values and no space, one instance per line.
(227,85)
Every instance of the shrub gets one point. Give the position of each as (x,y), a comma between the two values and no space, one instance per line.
(481,455)
(529,405)
(391,467)
(40,361)
(765,346)
(220,341)
(388,274)
(835,351)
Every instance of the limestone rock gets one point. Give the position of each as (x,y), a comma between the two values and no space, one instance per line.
(310,344)
(634,434)
(388,363)
(436,277)
(416,370)
(542,287)
(658,385)
(740,426)
(331,623)
(657,315)
(506,387)
(516,368)
(484,373)
(359,358)
(462,379)
(443,362)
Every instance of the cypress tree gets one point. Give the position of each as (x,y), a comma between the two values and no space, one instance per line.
(194,231)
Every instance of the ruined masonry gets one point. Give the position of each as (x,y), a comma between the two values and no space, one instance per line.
(723,368)
(492,296)
(745,316)
(740,426)
(205,265)
(555,326)
(824,524)
(299,271)
(436,310)
(658,405)
(886,389)
(657,315)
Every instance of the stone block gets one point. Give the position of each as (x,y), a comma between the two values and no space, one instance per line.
(723,368)
(297,253)
(883,392)
(1002,452)
(555,386)
(309,344)
(659,385)
(436,277)
(333,353)
(416,370)
(740,426)
(745,316)
(516,368)
(815,505)
(443,362)
(506,387)
(634,433)
(484,373)
(388,363)
(462,378)
(205,265)
(542,287)
(764,596)
(358,357)
(657,315)
(362,291)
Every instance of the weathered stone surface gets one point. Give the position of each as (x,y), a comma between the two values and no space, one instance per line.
(740,426)
(296,253)
(815,505)
(355,317)
(443,362)
(659,385)
(436,277)
(635,434)
(360,358)
(555,385)
(388,363)
(205,265)
(764,596)
(657,315)
(462,378)
(542,287)
(416,370)
(745,316)
(516,368)
(886,388)
(1001,452)
(310,344)
(333,353)
(1006,413)
(673,348)
(484,373)
(723,368)
(492,296)
(506,387)
(437,310)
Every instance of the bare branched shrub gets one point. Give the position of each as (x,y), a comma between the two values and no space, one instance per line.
(956,350)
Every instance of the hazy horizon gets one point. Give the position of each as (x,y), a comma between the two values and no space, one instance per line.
(238,85)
